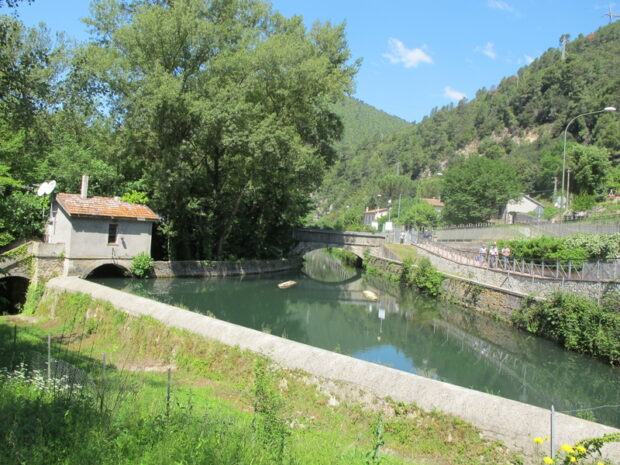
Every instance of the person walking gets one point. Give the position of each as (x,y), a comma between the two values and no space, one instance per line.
(506,255)
(493,255)
(483,254)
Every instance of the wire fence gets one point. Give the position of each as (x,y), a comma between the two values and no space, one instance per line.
(572,270)
(527,226)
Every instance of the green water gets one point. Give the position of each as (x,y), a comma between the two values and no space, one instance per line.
(402,330)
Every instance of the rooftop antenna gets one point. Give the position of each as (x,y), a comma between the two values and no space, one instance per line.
(610,14)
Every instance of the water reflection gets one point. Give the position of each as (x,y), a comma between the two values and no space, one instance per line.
(403,330)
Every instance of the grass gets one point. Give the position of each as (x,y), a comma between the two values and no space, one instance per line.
(224,407)
(403,251)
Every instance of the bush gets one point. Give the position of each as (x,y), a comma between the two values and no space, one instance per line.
(583,202)
(142,265)
(574,322)
(425,278)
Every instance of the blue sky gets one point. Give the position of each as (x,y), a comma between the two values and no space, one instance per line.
(416,54)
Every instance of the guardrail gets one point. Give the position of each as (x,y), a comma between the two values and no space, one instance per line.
(573,270)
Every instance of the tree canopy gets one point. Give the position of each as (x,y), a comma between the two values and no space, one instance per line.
(476,189)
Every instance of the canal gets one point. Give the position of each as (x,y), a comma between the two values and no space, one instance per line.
(403,330)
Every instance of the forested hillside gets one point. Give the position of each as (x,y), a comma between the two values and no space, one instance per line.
(519,123)
(363,122)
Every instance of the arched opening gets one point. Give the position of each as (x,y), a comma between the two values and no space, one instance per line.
(13,290)
(109,270)
(332,265)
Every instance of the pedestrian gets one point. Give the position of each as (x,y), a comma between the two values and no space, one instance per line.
(506,255)
(483,253)
(493,254)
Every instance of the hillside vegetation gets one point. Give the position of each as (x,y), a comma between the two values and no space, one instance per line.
(519,123)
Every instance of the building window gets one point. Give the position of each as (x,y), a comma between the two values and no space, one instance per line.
(112,233)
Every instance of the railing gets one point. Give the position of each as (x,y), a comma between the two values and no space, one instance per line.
(575,270)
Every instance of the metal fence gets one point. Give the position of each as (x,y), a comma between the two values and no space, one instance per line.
(532,227)
(576,270)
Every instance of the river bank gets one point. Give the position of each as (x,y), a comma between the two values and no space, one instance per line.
(513,422)
(327,421)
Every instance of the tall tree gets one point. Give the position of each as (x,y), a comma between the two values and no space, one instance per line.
(230,109)
(477,188)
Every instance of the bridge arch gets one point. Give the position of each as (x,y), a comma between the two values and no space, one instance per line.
(355,242)
(13,290)
(107,270)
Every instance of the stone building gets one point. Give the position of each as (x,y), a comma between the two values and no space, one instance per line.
(97,230)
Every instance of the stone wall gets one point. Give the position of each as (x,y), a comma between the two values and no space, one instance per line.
(518,284)
(49,260)
(197,268)
(467,292)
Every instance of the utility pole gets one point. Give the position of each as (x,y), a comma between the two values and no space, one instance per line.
(567,188)
(563,41)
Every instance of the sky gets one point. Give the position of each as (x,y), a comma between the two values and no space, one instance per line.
(416,54)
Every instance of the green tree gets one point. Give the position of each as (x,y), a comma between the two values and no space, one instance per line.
(229,108)
(420,216)
(589,165)
(476,189)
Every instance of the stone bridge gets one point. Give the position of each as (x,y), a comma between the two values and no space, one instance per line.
(356,242)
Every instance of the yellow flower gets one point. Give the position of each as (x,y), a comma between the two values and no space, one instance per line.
(548,460)
(546,438)
(568,449)
(538,440)
(581,449)
(600,463)
(572,459)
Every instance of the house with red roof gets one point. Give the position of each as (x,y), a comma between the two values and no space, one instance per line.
(99,227)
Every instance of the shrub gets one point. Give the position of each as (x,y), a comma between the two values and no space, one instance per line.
(142,265)
(574,322)
(425,278)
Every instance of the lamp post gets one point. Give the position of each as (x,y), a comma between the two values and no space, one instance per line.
(563,198)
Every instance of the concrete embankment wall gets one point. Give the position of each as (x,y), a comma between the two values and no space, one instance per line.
(518,284)
(209,269)
(470,293)
(513,422)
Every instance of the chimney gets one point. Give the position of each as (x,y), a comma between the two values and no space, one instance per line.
(84,190)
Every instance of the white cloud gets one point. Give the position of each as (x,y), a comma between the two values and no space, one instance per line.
(488,49)
(410,58)
(499,5)
(452,94)
(528,59)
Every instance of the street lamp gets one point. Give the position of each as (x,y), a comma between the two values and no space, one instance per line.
(563,201)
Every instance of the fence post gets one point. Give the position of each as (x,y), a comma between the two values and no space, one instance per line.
(598,269)
(543,268)
(557,269)
(49,357)
(168,394)
(103,382)
(552,433)
(14,347)
(570,267)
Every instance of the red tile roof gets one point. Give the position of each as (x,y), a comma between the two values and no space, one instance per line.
(434,202)
(111,207)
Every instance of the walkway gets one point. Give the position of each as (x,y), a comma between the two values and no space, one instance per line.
(602,271)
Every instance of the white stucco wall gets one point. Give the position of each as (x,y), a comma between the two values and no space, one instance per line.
(89,238)
(524,205)
(59,229)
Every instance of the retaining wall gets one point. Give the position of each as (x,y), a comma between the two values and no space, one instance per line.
(512,422)
(518,284)
(208,269)
(470,293)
